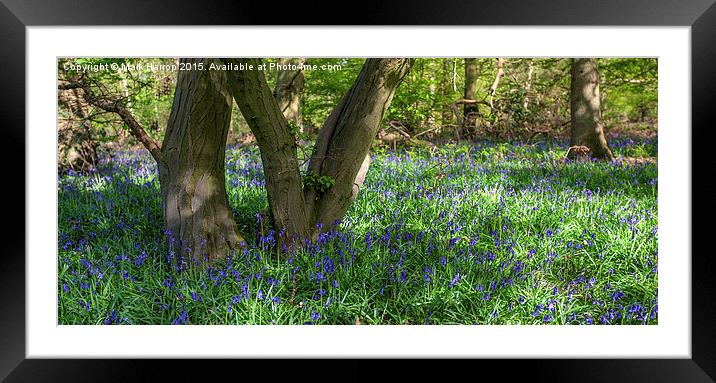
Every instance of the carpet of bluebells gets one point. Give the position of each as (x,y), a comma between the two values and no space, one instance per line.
(482,233)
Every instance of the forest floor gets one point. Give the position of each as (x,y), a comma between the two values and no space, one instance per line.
(481,233)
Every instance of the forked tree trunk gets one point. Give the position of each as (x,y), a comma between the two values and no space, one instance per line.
(192,167)
(289,85)
(585,111)
(341,147)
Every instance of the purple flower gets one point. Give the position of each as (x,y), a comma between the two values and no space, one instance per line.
(183,318)
(616,295)
(455,279)
(315,316)
(427,272)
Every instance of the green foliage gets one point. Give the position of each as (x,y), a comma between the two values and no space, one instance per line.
(320,183)
(294,129)
(324,88)
(144,85)
(422,103)
(629,89)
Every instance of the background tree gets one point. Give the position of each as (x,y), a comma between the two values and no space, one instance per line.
(288,89)
(585,106)
(76,146)
(471,77)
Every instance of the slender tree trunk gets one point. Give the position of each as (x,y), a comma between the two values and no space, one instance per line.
(528,84)
(199,223)
(585,109)
(498,75)
(345,138)
(278,150)
(289,86)
(445,114)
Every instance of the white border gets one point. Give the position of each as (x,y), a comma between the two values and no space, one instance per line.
(669,339)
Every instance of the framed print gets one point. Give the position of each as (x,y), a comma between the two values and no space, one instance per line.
(44,44)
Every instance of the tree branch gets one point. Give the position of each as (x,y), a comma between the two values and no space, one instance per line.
(116,106)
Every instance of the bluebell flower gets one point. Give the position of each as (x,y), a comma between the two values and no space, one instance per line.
(455,280)
(182,319)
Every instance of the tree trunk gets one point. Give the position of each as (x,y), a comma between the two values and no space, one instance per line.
(199,223)
(340,152)
(471,73)
(77,149)
(528,84)
(445,116)
(586,111)
(498,75)
(470,110)
(289,85)
(278,149)
(345,138)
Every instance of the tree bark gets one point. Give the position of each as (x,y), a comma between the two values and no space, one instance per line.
(277,146)
(471,73)
(528,84)
(287,92)
(200,226)
(340,152)
(586,126)
(77,149)
(498,75)
(345,138)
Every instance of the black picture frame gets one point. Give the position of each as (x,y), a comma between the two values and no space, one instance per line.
(700,15)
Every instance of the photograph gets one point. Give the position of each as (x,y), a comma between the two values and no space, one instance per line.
(357,190)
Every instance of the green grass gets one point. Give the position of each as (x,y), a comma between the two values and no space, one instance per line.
(468,234)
